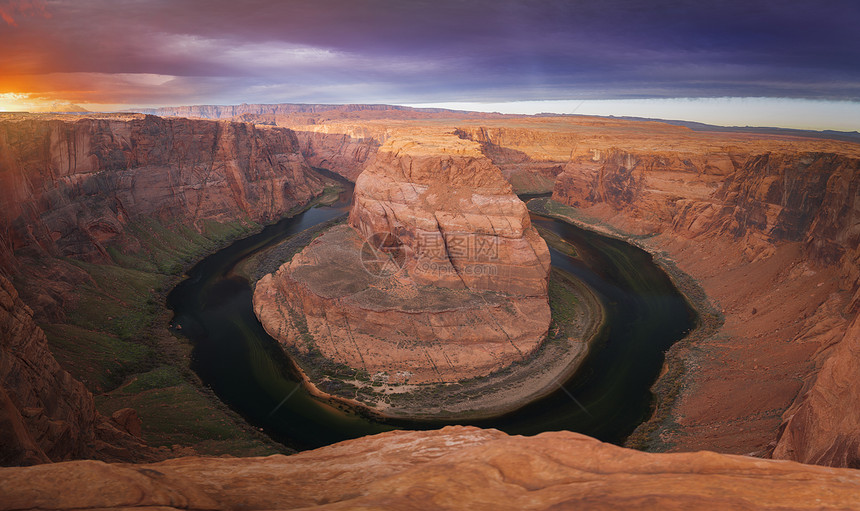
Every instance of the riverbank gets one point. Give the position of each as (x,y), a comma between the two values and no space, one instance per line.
(133,359)
(668,386)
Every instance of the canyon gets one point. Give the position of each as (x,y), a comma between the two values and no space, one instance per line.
(768,225)
(98,212)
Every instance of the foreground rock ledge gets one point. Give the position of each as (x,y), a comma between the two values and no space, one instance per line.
(452,468)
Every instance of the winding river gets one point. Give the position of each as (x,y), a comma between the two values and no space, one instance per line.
(606,398)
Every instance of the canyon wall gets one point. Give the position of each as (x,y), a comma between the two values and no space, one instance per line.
(343,153)
(769,226)
(70,185)
(77,190)
(45,414)
(773,237)
(452,468)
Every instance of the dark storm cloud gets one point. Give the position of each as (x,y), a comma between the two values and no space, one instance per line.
(327,50)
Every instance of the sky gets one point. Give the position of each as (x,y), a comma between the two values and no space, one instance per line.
(758,62)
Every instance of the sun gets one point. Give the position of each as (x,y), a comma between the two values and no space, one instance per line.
(11,101)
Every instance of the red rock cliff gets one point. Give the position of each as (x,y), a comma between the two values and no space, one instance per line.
(773,236)
(45,414)
(68,185)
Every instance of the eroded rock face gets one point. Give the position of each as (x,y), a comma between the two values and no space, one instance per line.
(821,426)
(343,153)
(452,468)
(451,209)
(773,237)
(469,292)
(45,414)
(69,185)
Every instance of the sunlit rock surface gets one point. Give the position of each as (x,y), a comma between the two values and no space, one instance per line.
(453,468)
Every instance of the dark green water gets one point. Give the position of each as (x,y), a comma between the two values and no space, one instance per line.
(606,398)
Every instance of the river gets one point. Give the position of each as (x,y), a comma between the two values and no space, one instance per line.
(606,398)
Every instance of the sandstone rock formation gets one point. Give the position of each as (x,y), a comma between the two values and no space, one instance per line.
(343,153)
(767,224)
(74,188)
(470,298)
(453,468)
(773,236)
(450,208)
(70,185)
(821,425)
(45,414)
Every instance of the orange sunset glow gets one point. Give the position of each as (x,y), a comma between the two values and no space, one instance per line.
(740,63)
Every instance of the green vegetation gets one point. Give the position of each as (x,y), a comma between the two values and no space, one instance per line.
(115,339)
(329,195)
(118,301)
(175,411)
(167,248)
(100,360)
(564,293)
(525,181)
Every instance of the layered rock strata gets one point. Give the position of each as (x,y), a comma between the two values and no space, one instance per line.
(450,208)
(766,223)
(75,188)
(452,468)
(773,237)
(468,290)
(45,414)
(343,153)
(71,185)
